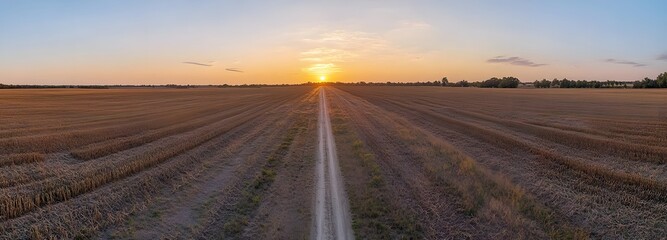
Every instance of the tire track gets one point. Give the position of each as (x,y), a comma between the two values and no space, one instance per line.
(332,216)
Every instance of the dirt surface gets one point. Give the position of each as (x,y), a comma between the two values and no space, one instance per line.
(331,207)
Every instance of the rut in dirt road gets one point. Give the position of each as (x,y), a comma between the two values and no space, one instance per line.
(332,216)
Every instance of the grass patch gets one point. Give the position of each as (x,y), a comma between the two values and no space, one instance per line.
(483,190)
(252,195)
(21,158)
(374,215)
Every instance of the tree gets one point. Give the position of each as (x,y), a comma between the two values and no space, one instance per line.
(567,83)
(445,82)
(490,83)
(646,83)
(509,82)
(662,80)
(462,83)
(542,84)
(650,83)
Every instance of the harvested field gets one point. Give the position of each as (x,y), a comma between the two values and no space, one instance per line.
(520,163)
(80,163)
(308,162)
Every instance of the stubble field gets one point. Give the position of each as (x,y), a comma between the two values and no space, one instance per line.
(415,162)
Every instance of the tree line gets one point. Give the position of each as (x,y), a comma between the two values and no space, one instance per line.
(494,82)
(5,86)
(659,82)
(565,83)
(363,83)
(505,82)
(513,82)
(10,86)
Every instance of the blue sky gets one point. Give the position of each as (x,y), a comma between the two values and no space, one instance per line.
(146,42)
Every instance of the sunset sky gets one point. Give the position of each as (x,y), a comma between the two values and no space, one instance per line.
(236,42)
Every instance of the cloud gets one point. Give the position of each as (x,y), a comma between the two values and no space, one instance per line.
(326,49)
(662,57)
(413,24)
(348,40)
(515,61)
(233,70)
(199,64)
(634,64)
(322,69)
(324,54)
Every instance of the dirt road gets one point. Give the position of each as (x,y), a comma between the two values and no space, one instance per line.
(332,217)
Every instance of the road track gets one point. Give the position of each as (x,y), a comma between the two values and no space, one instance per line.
(332,217)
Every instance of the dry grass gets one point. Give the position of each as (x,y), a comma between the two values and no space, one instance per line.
(254,192)
(126,113)
(418,162)
(450,177)
(174,123)
(566,172)
(37,194)
(650,188)
(119,144)
(20,158)
(375,213)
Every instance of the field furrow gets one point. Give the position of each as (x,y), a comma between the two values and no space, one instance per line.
(415,163)
(552,170)
(647,188)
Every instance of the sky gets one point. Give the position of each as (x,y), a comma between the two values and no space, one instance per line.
(237,42)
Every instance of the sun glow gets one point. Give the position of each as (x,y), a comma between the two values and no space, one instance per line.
(321,71)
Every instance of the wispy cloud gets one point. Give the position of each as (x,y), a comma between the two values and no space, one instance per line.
(328,49)
(515,61)
(324,54)
(662,57)
(322,69)
(348,40)
(234,70)
(414,24)
(199,64)
(325,51)
(616,61)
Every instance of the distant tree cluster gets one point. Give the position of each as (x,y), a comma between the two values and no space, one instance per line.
(178,86)
(362,83)
(565,83)
(659,82)
(462,83)
(5,86)
(258,85)
(505,82)
(494,82)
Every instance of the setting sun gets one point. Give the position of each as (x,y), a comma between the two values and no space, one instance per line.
(323,78)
